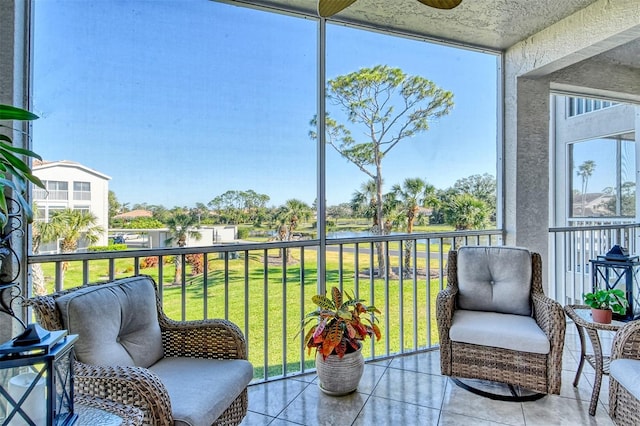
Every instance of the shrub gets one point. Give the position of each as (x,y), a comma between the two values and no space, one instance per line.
(197,263)
(243,233)
(149,262)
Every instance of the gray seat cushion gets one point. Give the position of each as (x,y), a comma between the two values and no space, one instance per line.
(627,373)
(202,389)
(117,322)
(507,331)
(494,279)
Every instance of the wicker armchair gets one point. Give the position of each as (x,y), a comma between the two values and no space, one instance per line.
(624,407)
(533,370)
(140,387)
(130,415)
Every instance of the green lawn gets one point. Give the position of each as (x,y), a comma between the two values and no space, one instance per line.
(268,322)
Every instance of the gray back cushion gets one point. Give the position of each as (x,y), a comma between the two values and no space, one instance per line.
(494,279)
(117,322)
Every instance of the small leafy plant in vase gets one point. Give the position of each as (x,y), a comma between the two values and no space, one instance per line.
(604,303)
(340,325)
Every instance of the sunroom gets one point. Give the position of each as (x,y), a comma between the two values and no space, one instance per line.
(231,90)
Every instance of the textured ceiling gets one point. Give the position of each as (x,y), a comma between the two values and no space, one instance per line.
(487,24)
(491,24)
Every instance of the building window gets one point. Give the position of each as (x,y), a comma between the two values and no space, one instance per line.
(82,191)
(579,106)
(84,209)
(55,191)
(603,182)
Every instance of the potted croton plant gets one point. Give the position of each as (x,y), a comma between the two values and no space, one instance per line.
(604,303)
(340,325)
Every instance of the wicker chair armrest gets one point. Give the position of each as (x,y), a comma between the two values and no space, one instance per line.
(445,307)
(131,416)
(126,385)
(626,343)
(212,338)
(550,316)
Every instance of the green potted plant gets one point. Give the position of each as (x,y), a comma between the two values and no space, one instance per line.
(340,325)
(14,172)
(604,303)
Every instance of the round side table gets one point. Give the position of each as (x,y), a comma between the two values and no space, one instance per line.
(581,316)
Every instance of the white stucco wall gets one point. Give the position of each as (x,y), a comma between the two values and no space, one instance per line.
(529,68)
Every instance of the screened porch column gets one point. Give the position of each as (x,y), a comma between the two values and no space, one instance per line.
(14,90)
(526,165)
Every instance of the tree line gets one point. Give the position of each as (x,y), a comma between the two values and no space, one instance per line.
(469,204)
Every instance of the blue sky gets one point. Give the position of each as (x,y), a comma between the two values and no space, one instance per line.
(179,101)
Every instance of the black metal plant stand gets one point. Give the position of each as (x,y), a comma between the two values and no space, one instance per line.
(36,367)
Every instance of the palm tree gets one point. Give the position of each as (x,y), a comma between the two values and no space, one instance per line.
(413,195)
(201,211)
(288,217)
(464,211)
(182,226)
(585,170)
(69,226)
(41,233)
(363,202)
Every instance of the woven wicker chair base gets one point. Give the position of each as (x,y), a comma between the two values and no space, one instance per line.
(130,415)
(624,408)
(527,370)
(236,411)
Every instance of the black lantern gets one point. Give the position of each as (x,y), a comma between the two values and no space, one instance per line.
(36,379)
(618,270)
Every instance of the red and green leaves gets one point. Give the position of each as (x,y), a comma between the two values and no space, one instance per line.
(341,323)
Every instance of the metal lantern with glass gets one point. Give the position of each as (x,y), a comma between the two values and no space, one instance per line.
(617,269)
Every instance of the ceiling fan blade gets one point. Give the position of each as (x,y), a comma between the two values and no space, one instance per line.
(441,4)
(331,7)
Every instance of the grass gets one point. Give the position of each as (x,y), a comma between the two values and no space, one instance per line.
(271,330)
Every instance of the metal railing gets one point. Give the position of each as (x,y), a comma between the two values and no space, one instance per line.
(50,195)
(266,288)
(571,249)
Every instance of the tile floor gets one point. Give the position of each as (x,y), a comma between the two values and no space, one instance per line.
(409,390)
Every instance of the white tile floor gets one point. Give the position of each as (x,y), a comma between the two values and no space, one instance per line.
(409,390)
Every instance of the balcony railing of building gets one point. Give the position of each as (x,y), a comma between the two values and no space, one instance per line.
(266,288)
(82,195)
(52,195)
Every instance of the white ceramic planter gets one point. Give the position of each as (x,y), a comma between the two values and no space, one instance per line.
(340,376)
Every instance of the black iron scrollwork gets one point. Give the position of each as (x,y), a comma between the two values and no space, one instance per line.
(10,267)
